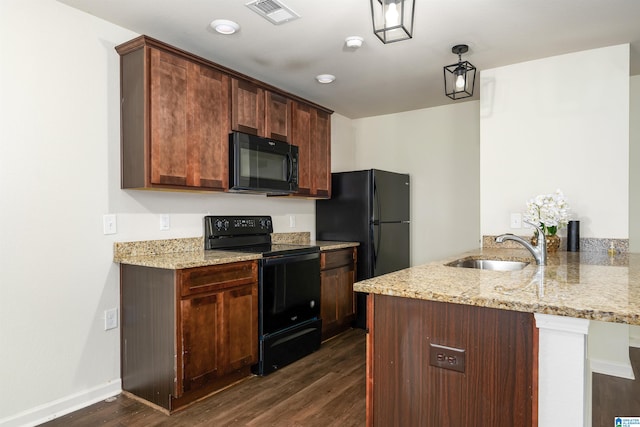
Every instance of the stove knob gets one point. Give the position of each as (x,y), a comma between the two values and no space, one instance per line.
(222,224)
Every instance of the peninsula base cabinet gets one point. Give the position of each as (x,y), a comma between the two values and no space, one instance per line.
(187,333)
(440,364)
(337,302)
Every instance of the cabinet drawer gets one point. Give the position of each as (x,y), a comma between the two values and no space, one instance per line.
(337,258)
(217,277)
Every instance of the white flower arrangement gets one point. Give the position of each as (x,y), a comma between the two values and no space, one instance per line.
(549,211)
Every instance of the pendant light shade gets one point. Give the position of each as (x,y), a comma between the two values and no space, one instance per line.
(392,19)
(459,78)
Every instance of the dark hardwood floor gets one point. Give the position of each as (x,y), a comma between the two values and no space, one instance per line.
(326,388)
(616,397)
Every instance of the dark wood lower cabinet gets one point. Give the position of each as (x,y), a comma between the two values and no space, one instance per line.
(498,385)
(187,333)
(337,305)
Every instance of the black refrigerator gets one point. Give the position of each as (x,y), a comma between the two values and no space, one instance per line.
(370,207)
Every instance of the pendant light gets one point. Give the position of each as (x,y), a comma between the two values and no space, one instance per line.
(392,19)
(459,78)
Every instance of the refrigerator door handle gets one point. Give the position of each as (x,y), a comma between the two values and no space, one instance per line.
(376,199)
(374,251)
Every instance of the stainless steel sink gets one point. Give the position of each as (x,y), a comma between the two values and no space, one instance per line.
(489,264)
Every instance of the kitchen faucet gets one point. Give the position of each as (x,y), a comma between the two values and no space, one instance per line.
(539,252)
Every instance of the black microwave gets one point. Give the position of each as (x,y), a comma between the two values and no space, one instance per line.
(262,165)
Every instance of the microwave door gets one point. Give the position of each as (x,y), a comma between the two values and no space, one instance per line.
(261,165)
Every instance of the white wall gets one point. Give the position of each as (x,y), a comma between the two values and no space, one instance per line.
(59,174)
(634,164)
(560,122)
(439,148)
(343,149)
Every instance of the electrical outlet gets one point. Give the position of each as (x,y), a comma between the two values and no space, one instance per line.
(109,225)
(444,357)
(165,222)
(516,220)
(292,221)
(110,319)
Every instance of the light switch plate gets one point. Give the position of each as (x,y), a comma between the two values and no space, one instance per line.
(516,220)
(165,222)
(110,319)
(109,225)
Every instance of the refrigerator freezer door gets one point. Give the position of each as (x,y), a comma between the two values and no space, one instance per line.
(391,196)
(391,243)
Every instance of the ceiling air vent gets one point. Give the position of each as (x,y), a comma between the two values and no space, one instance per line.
(273,10)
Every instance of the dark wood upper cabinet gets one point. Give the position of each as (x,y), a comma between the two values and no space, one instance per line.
(321,155)
(311,132)
(189,123)
(177,110)
(175,121)
(258,111)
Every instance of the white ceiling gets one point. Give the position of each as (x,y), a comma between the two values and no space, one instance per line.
(377,78)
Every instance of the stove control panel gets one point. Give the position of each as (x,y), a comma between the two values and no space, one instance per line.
(234,226)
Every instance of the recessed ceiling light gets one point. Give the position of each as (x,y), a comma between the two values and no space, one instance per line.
(354,41)
(224,26)
(325,78)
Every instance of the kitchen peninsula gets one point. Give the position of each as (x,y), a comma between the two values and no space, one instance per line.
(478,347)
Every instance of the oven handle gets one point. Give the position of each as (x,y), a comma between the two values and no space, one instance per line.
(285,259)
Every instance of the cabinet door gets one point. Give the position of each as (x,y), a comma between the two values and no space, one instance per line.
(301,136)
(337,302)
(189,123)
(258,111)
(345,306)
(208,128)
(240,334)
(311,132)
(201,324)
(321,157)
(329,284)
(168,116)
(247,107)
(337,308)
(277,116)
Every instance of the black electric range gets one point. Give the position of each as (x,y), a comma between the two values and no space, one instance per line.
(248,234)
(289,324)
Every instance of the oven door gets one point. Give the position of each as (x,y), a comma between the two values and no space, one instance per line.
(262,165)
(289,291)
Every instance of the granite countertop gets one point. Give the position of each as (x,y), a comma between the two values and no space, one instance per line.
(589,285)
(326,245)
(174,254)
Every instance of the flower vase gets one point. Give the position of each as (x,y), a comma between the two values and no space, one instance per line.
(553,242)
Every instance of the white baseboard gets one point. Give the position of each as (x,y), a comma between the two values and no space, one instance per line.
(49,411)
(610,368)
